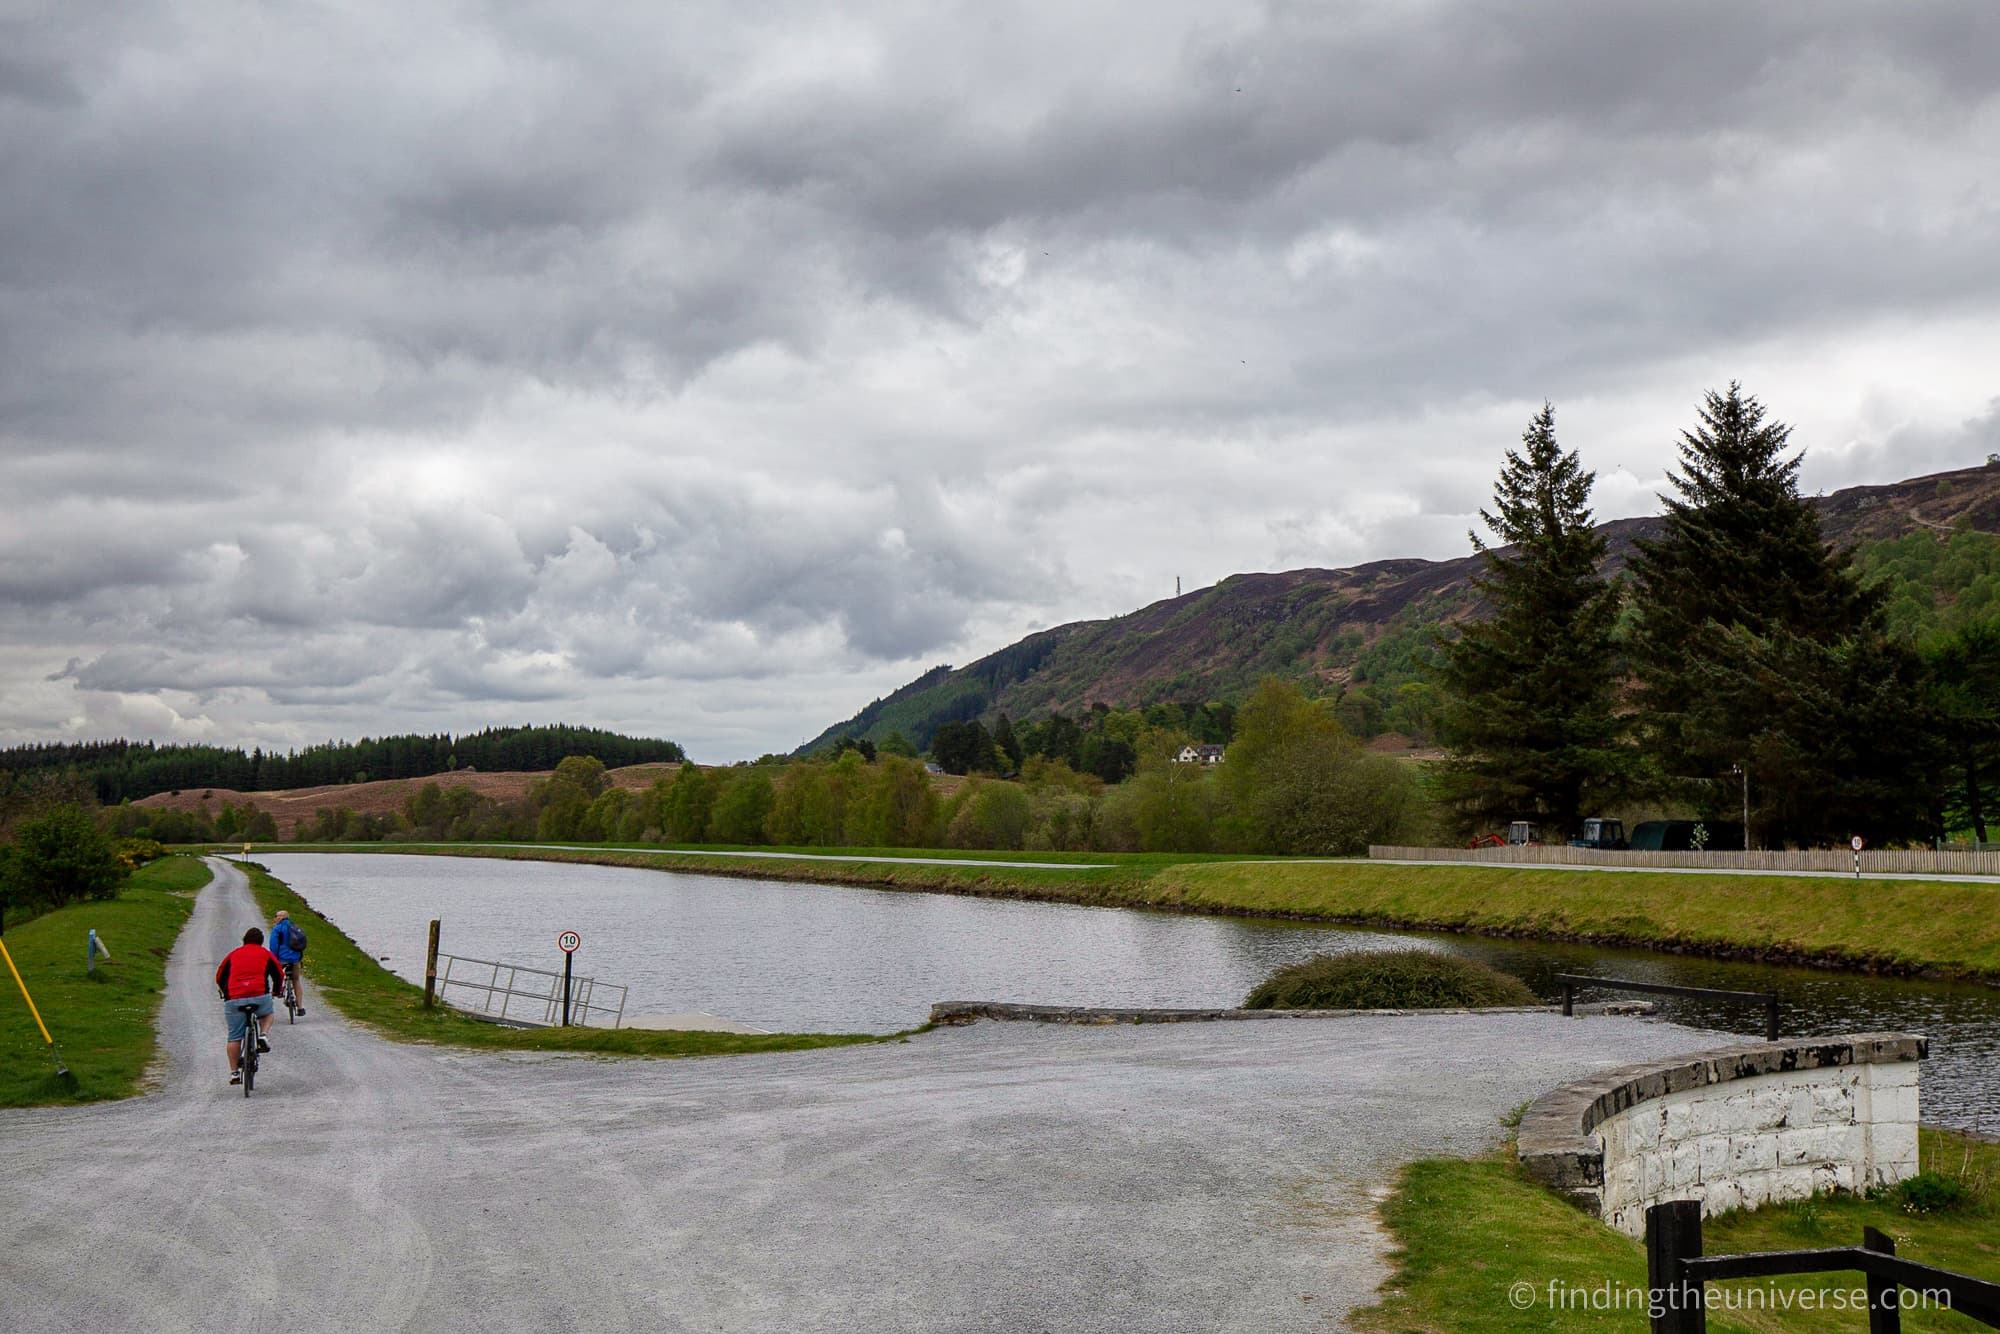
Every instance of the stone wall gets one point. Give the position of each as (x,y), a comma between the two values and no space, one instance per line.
(1733,1128)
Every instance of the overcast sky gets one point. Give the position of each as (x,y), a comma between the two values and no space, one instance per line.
(705,371)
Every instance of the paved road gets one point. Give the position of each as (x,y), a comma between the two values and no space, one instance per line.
(1667,870)
(999,1177)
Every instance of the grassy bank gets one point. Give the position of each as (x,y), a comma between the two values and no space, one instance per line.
(1469,1233)
(370,994)
(103,1020)
(1936,928)
(1943,928)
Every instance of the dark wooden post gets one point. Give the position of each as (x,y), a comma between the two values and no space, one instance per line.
(1885,1315)
(1673,1235)
(1569,998)
(431,968)
(1771,1017)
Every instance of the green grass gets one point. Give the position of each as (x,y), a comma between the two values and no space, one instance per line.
(103,1021)
(1940,928)
(1908,926)
(370,994)
(1408,979)
(1467,1232)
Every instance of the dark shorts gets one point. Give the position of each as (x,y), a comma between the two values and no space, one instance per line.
(239,1023)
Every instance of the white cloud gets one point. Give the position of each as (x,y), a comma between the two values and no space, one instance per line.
(709,373)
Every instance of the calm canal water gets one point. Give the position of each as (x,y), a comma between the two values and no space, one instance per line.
(791,957)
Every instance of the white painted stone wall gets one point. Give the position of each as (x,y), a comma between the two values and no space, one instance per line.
(1766,1139)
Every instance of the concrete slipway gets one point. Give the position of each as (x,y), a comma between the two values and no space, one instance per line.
(997,1177)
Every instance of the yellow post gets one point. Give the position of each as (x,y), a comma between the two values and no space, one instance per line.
(6,954)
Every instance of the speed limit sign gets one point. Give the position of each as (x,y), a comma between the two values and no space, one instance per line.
(1857,843)
(568,941)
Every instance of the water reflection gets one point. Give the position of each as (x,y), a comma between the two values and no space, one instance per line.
(826,958)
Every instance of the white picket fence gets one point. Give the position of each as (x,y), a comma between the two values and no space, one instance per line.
(1915,861)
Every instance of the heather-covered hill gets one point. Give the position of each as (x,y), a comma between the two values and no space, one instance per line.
(378,797)
(1356,631)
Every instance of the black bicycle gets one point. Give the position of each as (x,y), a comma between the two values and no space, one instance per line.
(250,1036)
(291,993)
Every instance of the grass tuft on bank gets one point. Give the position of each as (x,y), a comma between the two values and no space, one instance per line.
(366,992)
(103,1020)
(1408,979)
(1480,1249)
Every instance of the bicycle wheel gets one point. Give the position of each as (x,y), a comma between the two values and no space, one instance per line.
(250,1052)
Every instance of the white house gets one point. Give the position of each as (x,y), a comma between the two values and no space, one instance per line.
(1199,755)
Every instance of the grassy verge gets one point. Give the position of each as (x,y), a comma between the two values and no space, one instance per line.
(1902,926)
(370,994)
(1936,928)
(103,1019)
(1469,1233)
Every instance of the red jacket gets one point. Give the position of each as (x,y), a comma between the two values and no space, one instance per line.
(249,970)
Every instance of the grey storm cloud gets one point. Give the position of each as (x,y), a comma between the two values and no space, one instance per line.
(708,370)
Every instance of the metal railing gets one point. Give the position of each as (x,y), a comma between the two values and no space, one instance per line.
(1571,983)
(510,993)
(1677,1274)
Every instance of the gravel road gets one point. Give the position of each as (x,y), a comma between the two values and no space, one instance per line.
(999,1177)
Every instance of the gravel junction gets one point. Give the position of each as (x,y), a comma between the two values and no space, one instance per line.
(992,1177)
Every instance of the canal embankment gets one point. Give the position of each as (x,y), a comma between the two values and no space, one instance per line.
(1899,927)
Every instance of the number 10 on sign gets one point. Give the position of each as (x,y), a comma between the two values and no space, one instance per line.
(567,942)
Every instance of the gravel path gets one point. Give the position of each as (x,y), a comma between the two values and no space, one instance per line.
(1000,1177)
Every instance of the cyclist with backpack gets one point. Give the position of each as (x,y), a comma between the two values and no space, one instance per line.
(289,944)
(248,974)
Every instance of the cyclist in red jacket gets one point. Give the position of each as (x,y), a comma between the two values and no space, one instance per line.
(248,973)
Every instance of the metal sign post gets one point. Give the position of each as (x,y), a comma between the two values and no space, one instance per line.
(1857,843)
(567,942)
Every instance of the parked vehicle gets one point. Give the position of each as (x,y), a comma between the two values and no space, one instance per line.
(1523,833)
(1604,835)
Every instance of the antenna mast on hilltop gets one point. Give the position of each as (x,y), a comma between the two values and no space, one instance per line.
(1177,585)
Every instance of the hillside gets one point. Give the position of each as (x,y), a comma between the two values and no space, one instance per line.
(1357,632)
(119,769)
(380,797)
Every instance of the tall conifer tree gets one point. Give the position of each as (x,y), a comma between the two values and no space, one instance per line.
(1530,688)
(1757,645)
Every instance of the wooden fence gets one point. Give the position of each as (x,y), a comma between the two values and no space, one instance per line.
(1916,861)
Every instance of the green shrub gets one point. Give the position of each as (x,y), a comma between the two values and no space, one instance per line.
(1932,1193)
(1410,979)
(59,857)
(133,853)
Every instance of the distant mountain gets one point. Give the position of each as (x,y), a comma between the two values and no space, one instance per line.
(1358,632)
